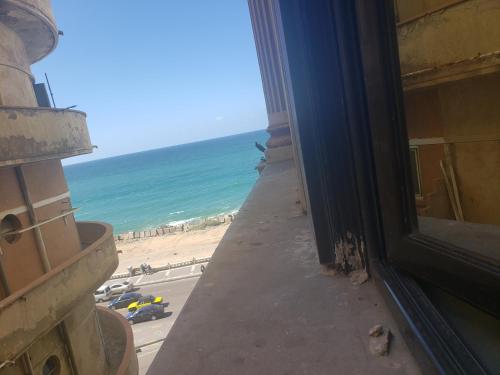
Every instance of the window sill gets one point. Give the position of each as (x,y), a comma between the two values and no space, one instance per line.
(263,306)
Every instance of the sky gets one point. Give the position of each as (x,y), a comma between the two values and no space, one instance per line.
(155,73)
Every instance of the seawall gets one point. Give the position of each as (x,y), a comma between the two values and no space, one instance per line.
(165,230)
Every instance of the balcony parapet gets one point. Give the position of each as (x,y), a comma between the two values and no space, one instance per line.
(33,22)
(35,134)
(118,342)
(32,311)
(458,42)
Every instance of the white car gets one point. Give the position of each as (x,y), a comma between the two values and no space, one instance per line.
(123,287)
(103,294)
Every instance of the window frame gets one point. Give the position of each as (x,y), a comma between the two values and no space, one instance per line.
(456,270)
(341,70)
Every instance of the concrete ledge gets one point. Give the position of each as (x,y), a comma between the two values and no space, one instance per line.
(118,342)
(34,134)
(39,306)
(264,307)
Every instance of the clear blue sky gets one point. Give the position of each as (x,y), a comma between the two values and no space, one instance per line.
(152,74)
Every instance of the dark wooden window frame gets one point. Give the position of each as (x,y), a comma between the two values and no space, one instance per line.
(342,72)
(460,272)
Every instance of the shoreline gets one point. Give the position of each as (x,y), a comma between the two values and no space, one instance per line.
(171,244)
(188,225)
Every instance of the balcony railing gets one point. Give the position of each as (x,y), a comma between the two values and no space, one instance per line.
(41,305)
(34,134)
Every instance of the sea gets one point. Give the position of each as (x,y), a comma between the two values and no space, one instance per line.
(167,186)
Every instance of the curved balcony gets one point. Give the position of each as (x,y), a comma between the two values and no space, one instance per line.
(33,22)
(118,343)
(453,42)
(30,312)
(34,134)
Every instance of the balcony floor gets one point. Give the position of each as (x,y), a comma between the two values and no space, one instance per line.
(263,306)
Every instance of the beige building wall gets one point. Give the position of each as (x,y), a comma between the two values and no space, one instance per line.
(450,63)
(49,265)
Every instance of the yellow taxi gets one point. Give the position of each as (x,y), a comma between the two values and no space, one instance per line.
(144,301)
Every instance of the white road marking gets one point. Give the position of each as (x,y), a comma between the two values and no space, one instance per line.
(139,279)
(193,267)
(167,273)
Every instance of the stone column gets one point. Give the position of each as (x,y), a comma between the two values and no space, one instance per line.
(279,145)
(282,144)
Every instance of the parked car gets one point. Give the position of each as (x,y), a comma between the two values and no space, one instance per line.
(124,300)
(119,288)
(102,294)
(145,301)
(148,312)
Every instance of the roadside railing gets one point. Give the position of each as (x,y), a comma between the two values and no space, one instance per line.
(137,270)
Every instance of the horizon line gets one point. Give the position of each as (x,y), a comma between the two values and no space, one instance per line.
(161,148)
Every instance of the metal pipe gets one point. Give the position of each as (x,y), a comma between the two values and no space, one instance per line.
(42,250)
(50,90)
(27,363)
(39,224)
(63,330)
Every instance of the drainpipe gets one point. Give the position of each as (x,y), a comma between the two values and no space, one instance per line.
(34,219)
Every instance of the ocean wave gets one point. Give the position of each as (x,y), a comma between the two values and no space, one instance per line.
(176,213)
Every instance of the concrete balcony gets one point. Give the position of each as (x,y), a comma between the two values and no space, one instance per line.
(34,134)
(33,22)
(263,305)
(456,41)
(41,305)
(118,343)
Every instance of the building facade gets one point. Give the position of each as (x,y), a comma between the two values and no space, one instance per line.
(50,265)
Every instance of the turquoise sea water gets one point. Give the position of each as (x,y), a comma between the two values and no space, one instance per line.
(168,185)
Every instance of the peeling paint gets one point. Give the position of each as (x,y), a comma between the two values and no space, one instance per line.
(349,253)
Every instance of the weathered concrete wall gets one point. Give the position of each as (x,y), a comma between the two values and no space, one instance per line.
(457,33)
(15,73)
(450,62)
(119,342)
(461,112)
(51,344)
(33,134)
(30,312)
(85,338)
(408,9)
(49,194)
(16,256)
(33,21)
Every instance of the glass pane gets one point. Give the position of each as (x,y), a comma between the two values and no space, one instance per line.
(450,65)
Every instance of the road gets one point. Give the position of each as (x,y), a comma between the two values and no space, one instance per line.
(162,276)
(176,294)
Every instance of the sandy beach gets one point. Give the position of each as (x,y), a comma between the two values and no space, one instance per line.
(172,248)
